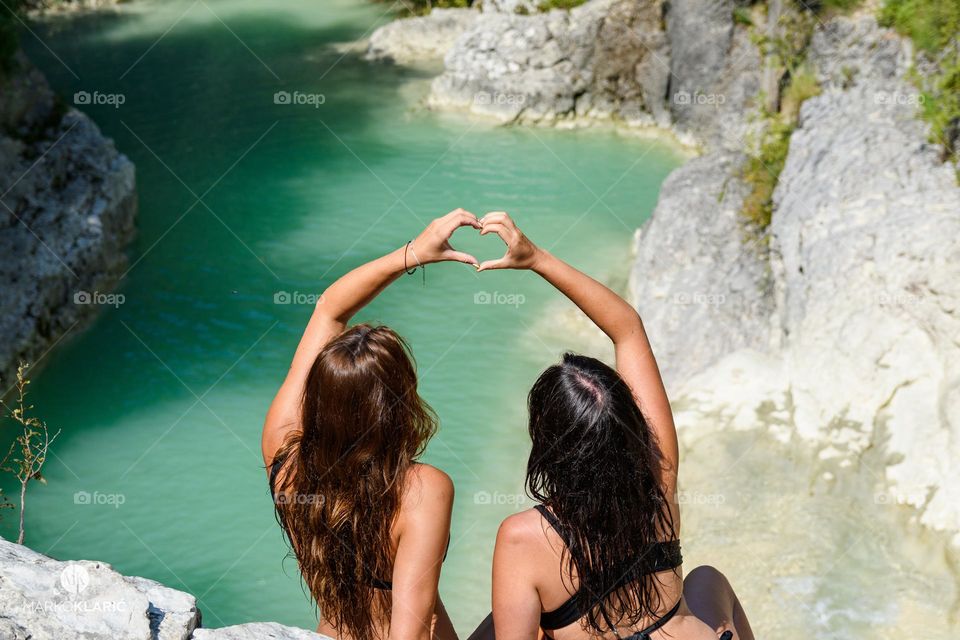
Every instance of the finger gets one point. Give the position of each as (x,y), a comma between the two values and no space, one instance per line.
(458,213)
(499,216)
(499,263)
(460,218)
(501,230)
(494,216)
(459,256)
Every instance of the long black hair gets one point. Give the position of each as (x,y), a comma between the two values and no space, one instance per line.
(597,465)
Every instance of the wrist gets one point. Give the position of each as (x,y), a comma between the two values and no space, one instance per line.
(418,255)
(540,258)
(413,255)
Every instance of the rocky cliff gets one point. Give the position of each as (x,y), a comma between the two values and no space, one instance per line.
(683,64)
(852,331)
(67,208)
(45,599)
(838,322)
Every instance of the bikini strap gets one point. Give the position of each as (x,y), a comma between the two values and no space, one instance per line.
(549,517)
(645,634)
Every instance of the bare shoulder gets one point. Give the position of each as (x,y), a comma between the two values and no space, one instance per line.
(425,485)
(521,529)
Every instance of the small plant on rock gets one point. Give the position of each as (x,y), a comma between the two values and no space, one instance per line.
(28,452)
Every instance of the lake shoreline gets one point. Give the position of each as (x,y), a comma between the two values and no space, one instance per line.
(750,376)
(543,69)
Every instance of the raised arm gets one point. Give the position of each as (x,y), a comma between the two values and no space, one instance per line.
(611,313)
(341,301)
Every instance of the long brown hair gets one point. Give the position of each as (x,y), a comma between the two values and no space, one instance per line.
(363,426)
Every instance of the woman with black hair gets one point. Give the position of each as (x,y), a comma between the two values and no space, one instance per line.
(599,556)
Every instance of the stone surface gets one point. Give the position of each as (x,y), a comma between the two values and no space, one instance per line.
(714,71)
(848,51)
(701,278)
(421,38)
(45,599)
(510,6)
(849,333)
(257,631)
(606,58)
(610,59)
(865,243)
(47,7)
(66,214)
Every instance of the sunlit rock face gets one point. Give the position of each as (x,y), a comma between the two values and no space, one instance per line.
(66,215)
(846,314)
(42,598)
(421,38)
(45,599)
(603,59)
(868,267)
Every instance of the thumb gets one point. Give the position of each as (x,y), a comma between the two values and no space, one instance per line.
(499,263)
(459,256)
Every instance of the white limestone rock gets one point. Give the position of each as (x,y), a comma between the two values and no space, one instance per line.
(46,599)
(606,58)
(420,38)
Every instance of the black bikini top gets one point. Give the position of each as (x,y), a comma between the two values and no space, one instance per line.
(376,583)
(661,556)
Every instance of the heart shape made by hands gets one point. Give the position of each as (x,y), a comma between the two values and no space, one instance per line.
(476,244)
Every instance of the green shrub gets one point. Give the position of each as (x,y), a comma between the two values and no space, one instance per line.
(423,7)
(741,15)
(547,5)
(803,85)
(762,171)
(788,50)
(838,6)
(933,26)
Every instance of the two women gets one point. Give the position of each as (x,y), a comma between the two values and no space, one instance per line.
(598,556)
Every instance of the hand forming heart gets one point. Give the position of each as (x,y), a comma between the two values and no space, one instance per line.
(433,244)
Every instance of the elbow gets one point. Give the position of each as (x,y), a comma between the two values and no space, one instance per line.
(328,315)
(630,328)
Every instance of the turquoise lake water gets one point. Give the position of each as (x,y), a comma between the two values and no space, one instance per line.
(161,401)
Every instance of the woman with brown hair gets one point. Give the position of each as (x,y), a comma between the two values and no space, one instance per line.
(368,523)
